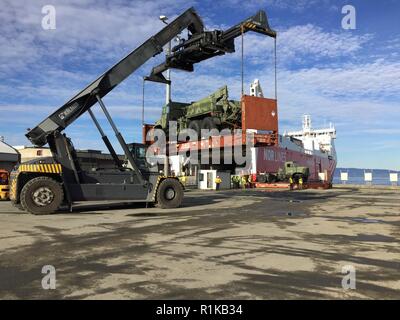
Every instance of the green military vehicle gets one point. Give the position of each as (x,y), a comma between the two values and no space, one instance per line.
(290,170)
(213,112)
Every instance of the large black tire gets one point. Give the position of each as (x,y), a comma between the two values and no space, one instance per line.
(169,194)
(42,195)
(271,178)
(183,136)
(208,123)
(159,128)
(196,126)
(297,176)
(262,178)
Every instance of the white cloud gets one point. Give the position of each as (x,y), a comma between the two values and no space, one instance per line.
(301,45)
(83,28)
(295,6)
(313,42)
(304,43)
(377,79)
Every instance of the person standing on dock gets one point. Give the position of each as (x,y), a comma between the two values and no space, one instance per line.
(291,183)
(301,183)
(184,179)
(250,181)
(235,182)
(244,182)
(218,181)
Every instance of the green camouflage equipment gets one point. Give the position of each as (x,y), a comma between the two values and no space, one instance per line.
(215,111)
(292,170)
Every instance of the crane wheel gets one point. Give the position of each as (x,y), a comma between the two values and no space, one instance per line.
(183,136)
(169,194)
(271,178)
(41,195)
(196,126)
(262,178)
(208,123)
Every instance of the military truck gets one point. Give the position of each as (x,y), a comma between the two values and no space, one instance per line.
(215,111)
(290,170)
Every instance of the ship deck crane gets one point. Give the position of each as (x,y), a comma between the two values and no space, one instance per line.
(42,186)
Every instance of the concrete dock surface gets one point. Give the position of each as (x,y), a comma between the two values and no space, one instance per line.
(235,244)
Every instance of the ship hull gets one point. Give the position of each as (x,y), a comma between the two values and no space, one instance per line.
(270,159)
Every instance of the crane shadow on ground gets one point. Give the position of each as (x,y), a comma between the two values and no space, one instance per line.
(99,207)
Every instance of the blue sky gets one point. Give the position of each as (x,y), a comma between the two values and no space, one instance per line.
(348,77)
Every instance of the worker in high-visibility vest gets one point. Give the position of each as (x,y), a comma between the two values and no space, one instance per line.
(218,181)
(237,179)
(291,183)
(235,182)
(244,182)
(183,180)
(301,182)
(250,180)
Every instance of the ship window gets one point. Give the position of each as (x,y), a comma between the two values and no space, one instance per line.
(39,152)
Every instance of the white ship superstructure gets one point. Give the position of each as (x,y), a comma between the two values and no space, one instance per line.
(315,141)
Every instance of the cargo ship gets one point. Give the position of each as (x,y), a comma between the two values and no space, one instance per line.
(311,148)
(270,157)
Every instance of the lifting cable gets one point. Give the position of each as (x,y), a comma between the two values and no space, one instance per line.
(275,65)
(242,66)
(144,80)
(275,62)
